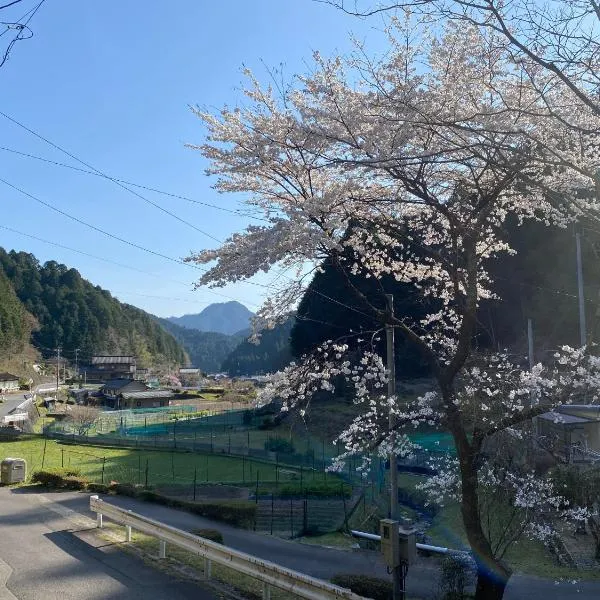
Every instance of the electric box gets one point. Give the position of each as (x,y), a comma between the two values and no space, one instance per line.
(390,542)
(12,470)
(408,546)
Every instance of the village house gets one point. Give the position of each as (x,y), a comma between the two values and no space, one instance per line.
(108,367)
(572,430)
(147,399)
(129,393)
(8,383)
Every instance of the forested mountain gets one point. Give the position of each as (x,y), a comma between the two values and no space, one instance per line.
(16,323)
(73,313)
(271,354)
(538,282)
(223,317)
(207,350)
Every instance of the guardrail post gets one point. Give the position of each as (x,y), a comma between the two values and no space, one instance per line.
(127,533)
(266,591)
(162,549)
(207,568)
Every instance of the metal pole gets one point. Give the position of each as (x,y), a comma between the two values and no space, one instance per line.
(398,592)
(582,328)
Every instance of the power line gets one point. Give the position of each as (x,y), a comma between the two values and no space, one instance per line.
(20,27)
(118,182)
(102,231)
(107,260)
(237,213)
(115,181)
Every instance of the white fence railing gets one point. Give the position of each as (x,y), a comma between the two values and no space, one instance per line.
(269,573)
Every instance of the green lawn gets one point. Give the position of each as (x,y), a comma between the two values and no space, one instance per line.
(525,556)
(129,465)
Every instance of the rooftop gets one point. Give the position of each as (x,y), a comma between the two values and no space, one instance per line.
(117,384)
(8,377)
(112,360)
(563,418)
(148,394)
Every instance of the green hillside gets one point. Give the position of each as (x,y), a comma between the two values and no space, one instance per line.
(73,313)
(206,349)
(271,354)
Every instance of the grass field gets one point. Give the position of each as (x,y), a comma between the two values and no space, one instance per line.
(129,465)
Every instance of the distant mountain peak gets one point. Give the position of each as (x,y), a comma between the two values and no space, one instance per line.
(221,317)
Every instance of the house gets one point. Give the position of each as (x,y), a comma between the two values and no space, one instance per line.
(142,374)
(8,382)
(146,399)
(114,389)
(572,430)
(107,367)
(189,371)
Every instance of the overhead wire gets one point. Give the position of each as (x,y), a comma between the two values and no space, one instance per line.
(115,181)
(20,27)
(122,185)
(237,213)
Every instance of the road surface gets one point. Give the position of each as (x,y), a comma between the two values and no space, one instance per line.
(33,538)
(44,555)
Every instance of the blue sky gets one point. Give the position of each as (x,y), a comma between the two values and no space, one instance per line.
(112,83)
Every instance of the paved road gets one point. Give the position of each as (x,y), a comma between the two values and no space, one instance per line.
(43,555)
(31,515)
(325,562)
(11,401)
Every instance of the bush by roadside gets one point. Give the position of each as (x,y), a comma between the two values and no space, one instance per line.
(60,478)
(214,535)
(363,585)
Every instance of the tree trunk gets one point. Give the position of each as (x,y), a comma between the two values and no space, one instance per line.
(491,582)
(492,574)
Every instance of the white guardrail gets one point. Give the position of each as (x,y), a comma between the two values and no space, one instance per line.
(269,573)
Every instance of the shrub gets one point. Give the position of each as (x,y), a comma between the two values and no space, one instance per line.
(363,585)
(456,574)
(247,417)
(60,478)
(321,489)
(72,482)
(125,489)
(99,488)
(279,445)
(239,513)
(267,423)
(214,535)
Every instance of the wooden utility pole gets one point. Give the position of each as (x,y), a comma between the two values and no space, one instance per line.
(582,326)
(57,370)
(397,579)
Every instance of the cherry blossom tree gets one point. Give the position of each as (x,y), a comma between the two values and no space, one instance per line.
(409,166)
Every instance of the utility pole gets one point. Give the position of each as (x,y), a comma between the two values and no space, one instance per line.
(530,342)
(77,363)
(57,370)
(397,578)
(582,328)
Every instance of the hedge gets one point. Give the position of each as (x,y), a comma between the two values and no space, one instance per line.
(209,534)
(320,489)
(363,585)
(62,478)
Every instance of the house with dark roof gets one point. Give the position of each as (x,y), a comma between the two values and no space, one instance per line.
(113,390)
(106,367)
(8,382)
(572,430)
(147,399)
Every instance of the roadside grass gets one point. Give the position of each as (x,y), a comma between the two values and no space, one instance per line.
(526,556)
(125,465)
(194,565)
